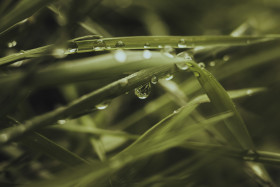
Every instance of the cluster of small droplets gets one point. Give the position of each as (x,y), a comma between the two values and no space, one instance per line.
(120,56)
(143,91)
(119,44)
(12,44)
(182,43)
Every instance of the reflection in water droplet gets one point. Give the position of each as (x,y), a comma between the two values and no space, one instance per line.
(226,58)
(120,44)
(147,54)
(61,121)
(201,65)
(168,51)
(147,45)
(168,76)
(154,80)
(120,55)
(196,74)
(59,53)
(143,91)
(212,63)
(182,66)
(102,106)
(182,43)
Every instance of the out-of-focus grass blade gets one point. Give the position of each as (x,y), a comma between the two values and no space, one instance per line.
(23,10)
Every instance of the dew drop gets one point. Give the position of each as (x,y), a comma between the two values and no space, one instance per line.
(59,53)
(249,92)
(120,55)
(196,74)
(182,66)
(17,64)
(147,54)
(102,106)
(154,80)
(123,82)
(201,65)
(226,58)
(3,138)
(61,121)
(175,111)
(250,155)
(147,45)
(168,76)
(168,51)
(160,46)
(99,45)
(120,44)
(212,63)
(73,50)
(143,91)
(182,43)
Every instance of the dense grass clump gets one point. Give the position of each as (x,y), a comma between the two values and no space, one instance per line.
(139,93)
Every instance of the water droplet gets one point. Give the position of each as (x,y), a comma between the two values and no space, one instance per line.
(123,82)
(99,45)
(212,63)
(249,92)
(17,64)
(154,80)
(103,105)
(168,51)
(3,138)
(182,43)
(12,44)
(226,58)
(196,74)
(73,50)
(168,76)
(147,54)
(250,155)
(120,44)
(147,45)
(160,46)
(120,55)
(201,65)
(182,66)
(61,121)
(175,111)
(143,91)
(59,53)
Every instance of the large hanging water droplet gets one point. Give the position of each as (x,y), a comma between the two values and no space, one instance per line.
(120,44)
(120,55)
(59,53)
(103,105)
(168,76)
(154,80)
(168,51)
(143,91)
(147,45)
(99,45)
(147,54)
(201,65)
(182,43)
